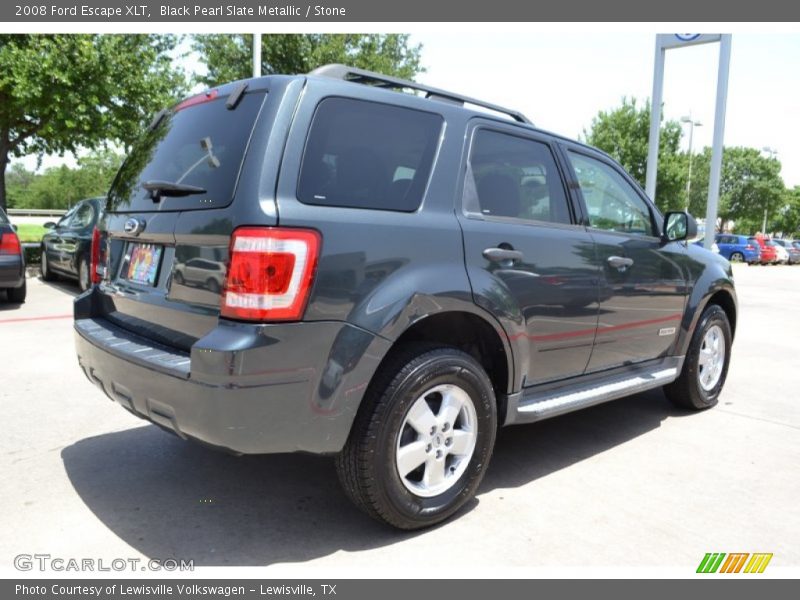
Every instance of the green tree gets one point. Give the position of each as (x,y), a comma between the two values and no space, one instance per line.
(229,57)
(61,187)
(624,133)
(750,183)
(59,93)
(788,215)
(18,179)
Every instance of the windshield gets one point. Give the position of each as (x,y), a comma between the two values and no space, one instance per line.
(200,146)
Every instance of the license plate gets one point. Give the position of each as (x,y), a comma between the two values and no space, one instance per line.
(143,263)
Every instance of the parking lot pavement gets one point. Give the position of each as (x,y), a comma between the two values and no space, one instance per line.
(633,482)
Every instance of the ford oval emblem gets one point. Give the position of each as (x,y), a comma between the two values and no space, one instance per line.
(134,226)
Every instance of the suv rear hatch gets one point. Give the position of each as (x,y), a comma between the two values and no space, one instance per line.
(170,216)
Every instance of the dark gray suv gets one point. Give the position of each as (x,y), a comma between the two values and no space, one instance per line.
(391,277)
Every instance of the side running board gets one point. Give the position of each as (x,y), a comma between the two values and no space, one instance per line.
(550,400)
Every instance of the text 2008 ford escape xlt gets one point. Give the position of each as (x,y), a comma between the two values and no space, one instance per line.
(322,264)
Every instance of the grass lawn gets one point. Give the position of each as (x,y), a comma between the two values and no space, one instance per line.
(30,233)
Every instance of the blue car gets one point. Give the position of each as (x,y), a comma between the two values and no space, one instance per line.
(738,248)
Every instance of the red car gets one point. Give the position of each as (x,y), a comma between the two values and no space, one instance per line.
(769,256)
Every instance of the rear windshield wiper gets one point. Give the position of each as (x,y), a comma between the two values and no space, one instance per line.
(158,189)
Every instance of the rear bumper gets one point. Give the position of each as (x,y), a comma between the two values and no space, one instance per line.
(12,272)
(751,257)
(249,389)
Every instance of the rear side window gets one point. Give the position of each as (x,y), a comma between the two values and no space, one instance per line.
(368,155)
(200,145)
(514,177)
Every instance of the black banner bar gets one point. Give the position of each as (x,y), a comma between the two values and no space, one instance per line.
(282,11)
(732,588)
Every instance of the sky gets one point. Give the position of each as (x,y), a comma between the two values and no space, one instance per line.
(561,81)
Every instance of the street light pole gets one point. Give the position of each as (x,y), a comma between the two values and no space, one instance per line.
(256,55)
(692,125)
(772,153)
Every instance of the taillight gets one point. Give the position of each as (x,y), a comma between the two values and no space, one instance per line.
(270,273)
(97,265)
(9,244)
(749,247)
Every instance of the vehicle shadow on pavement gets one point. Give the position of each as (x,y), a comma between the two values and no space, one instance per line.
(7,305)
(62,285)
(525,453)
(168,498)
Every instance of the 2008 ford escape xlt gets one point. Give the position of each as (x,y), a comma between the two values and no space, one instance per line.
(321,263)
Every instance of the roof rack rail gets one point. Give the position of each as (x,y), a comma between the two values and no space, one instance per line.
(343,72)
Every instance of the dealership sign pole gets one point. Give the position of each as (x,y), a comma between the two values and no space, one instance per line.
(679,40)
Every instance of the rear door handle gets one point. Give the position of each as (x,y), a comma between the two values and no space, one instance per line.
(620,262)
(502,254)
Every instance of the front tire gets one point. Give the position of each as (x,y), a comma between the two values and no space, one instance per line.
(44,267)
(423,438)
(737,257)
(706,365)
(84,279)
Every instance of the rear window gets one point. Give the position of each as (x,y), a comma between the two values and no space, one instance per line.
(201,145)
(368,155)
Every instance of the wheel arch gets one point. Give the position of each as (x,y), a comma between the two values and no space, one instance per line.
(470,332)
(723,295)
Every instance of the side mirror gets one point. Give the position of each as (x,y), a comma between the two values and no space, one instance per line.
(49,225)
(13,227)
(679,225)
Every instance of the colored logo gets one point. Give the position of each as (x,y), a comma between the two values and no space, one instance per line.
(736,562)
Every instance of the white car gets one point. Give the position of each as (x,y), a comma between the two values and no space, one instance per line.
(783,254)
(202,273)
(714,247)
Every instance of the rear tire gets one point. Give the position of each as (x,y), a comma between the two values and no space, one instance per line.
(433,407)
(706,365)
(17,295)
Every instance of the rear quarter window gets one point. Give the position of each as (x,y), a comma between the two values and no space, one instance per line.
(363,154)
